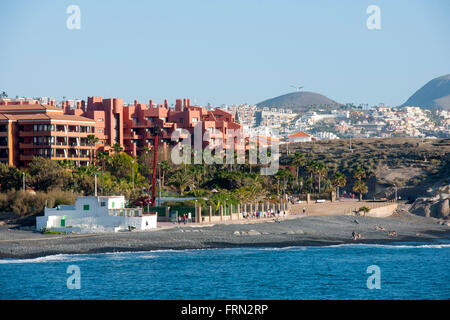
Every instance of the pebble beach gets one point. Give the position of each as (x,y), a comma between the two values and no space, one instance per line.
(295,231)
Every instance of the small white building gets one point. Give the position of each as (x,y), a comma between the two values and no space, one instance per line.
(299,137)
(96,214)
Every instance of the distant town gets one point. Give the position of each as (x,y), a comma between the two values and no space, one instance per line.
(344,121)
(104,124)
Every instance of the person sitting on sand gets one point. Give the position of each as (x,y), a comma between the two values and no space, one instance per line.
(392,234)
(354,235)
(359,235)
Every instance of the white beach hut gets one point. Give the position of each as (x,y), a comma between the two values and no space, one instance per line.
(96,214)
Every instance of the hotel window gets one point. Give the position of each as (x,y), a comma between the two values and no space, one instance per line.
(194,119)
(99,130)
(103,203)
(100,119)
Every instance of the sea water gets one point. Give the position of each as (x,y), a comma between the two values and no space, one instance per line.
(406,271)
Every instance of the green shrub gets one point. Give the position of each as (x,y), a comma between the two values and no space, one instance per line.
(364,209)
(26,203)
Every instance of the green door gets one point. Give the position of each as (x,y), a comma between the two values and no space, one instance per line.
(63,221)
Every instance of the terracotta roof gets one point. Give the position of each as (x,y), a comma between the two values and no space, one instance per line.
(39,116)
(68,117)
(45,116)
(299,134)
(24,107)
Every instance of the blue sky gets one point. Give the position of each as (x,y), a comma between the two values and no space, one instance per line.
(223,51)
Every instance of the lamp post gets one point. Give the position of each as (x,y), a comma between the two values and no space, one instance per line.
(23,181)
(132,173)
(95,184)
(195,210)
(226,209)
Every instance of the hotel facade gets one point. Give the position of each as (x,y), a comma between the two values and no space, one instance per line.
(28,128)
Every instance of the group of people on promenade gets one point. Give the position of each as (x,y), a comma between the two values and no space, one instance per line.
(262,214)
(185,218)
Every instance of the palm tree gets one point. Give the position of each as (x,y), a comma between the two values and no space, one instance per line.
(92,140)
(102,157)
(361,188)
(117,148)
(359,173)
(282,174)
(321,171)
(181,180)
(196,171)
(165,167)
(311,167)
(339,180)
(298,160)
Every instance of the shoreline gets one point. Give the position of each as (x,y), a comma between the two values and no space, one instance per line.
(312,231)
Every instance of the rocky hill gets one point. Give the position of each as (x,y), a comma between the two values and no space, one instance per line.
(299,101)
(418,169)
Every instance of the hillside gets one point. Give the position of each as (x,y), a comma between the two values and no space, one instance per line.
(434,95)
(417,168)
(299,101)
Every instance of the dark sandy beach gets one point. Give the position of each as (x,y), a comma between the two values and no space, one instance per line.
(301,231)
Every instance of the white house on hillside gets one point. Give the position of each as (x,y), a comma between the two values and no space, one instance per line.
(95,214)
(299,137)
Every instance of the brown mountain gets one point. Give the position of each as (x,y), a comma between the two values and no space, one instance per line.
(299,101)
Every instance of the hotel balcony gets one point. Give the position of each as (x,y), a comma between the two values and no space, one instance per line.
(143,124)
(23,145)
(25,157)
(131,136)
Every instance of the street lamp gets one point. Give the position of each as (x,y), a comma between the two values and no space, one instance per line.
(132,172)
(95,183)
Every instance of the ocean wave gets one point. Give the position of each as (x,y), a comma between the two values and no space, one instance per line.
(151,254)
(51,258)
(357,245)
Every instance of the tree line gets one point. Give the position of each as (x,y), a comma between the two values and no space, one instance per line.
(121,174)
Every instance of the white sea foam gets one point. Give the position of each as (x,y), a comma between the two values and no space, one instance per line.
(358,245)
(149,255)
(52,258)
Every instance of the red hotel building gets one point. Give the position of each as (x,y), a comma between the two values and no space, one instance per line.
(135,126)
(28,130)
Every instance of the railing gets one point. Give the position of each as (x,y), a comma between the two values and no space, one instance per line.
(126,212)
